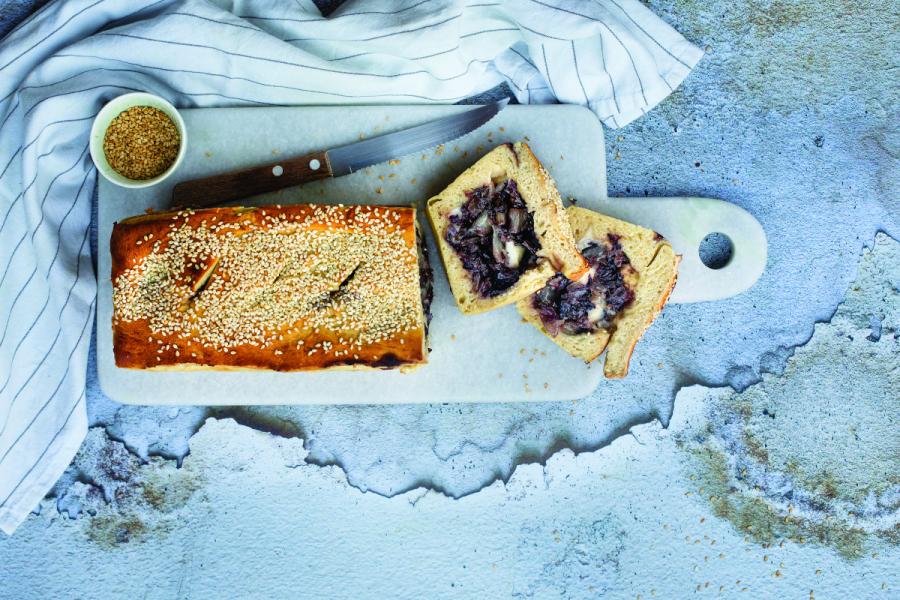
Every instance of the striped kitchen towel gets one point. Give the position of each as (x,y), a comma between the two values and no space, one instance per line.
(62,64)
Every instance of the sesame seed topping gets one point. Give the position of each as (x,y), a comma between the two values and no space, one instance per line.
(343,278)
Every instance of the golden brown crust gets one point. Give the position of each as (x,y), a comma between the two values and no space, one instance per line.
(189,367)
(569,262)
(137,345)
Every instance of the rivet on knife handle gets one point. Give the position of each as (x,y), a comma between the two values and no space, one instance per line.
(226,187)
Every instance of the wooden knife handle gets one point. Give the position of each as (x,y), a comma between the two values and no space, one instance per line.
(226,187)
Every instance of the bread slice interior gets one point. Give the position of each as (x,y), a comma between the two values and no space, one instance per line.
(551,225)
(650,275)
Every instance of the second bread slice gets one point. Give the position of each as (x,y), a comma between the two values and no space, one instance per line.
(648,270)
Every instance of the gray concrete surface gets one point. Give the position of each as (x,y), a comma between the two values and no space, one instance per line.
(753,447)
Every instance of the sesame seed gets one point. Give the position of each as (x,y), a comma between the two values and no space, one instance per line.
(284,283)
(141,142)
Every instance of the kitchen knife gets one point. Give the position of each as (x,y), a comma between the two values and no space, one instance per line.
(334,162)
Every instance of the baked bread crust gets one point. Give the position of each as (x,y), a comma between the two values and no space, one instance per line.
(537,189)
(381,289)
(652,276)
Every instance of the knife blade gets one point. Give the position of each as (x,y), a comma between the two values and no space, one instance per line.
(334,162)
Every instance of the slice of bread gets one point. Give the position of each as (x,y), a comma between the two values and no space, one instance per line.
(536,187)
(586,346)
(651,276)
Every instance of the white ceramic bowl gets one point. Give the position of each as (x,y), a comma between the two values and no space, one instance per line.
(109,112)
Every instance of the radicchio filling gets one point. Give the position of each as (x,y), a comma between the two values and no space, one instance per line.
(493,234)
(426,279)
(575,307)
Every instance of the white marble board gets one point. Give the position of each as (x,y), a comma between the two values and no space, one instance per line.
(483,358)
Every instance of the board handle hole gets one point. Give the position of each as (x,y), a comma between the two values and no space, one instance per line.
(716,250)
(277,170)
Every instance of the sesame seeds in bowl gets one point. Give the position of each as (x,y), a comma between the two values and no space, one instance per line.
(137,140)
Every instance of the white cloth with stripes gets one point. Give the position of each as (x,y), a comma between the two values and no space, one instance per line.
(61,65)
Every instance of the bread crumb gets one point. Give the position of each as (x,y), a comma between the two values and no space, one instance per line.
(413,180)
(381,177)
(453,337)
(395,161)
(502,129)
(546,386)
(378,190)
(362,136)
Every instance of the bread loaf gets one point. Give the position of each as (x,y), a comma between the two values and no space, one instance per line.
(284,288)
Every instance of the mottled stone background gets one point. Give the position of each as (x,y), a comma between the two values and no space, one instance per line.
(754,447)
